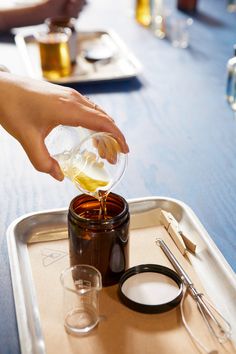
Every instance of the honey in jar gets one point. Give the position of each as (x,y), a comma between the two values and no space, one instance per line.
(99,237)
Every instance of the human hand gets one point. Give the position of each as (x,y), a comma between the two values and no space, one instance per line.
(73,7)
(37,13)
(65,8)
(38,106)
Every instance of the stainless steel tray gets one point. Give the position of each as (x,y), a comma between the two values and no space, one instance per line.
(122,65)
(216,275)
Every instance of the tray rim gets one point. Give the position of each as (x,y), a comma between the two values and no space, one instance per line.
(22,47)
(25,333)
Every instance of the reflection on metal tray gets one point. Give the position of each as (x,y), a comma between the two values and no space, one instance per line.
(216,275)
(119,65)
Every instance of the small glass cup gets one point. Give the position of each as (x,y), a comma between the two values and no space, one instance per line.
(179,31)
(81,285)
(54,53)
(55,23)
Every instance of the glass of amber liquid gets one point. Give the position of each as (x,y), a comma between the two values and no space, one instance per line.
(54,53)
(143,12)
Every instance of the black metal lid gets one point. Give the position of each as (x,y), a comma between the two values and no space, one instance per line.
(150,288)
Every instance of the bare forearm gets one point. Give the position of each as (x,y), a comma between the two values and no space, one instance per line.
(30,109)
(23,16)
(37,13)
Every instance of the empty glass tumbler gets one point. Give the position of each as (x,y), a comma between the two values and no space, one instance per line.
(81,286)
(179,31)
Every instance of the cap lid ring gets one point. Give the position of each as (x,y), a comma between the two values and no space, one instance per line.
(150,288)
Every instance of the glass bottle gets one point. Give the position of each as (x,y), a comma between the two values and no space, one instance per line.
(99,240)
(231,82)
(158,19)
(188,6)
(231,5)
(143,12)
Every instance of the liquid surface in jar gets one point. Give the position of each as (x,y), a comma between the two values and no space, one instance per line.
(99,209)
(95,214)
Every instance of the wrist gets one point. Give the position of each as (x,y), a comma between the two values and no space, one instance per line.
(6,84)
(4,68)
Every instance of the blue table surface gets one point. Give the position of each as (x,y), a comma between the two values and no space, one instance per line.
(181,132)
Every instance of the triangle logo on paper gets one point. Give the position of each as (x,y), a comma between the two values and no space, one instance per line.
(50,256)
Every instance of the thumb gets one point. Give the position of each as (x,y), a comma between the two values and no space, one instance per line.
(38,154)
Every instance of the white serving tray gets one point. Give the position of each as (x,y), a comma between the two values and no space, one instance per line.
(215,273)
(122,65)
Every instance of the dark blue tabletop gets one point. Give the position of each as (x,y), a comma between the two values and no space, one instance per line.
(181,133)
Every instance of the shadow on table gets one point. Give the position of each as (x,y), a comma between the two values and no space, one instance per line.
(133,84)
(197,54)
(6,37)
(208,20)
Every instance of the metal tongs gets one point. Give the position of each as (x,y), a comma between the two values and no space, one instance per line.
(218,326)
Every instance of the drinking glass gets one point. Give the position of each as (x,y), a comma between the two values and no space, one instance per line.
(54,52)
(81,285)
(179,31)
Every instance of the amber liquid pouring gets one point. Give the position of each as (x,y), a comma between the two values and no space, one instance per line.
(91,185)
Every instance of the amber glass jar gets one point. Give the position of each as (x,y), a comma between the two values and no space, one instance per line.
(100,242)
(188,6)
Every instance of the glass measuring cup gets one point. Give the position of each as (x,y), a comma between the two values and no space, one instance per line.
(81,285)
(93,161)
